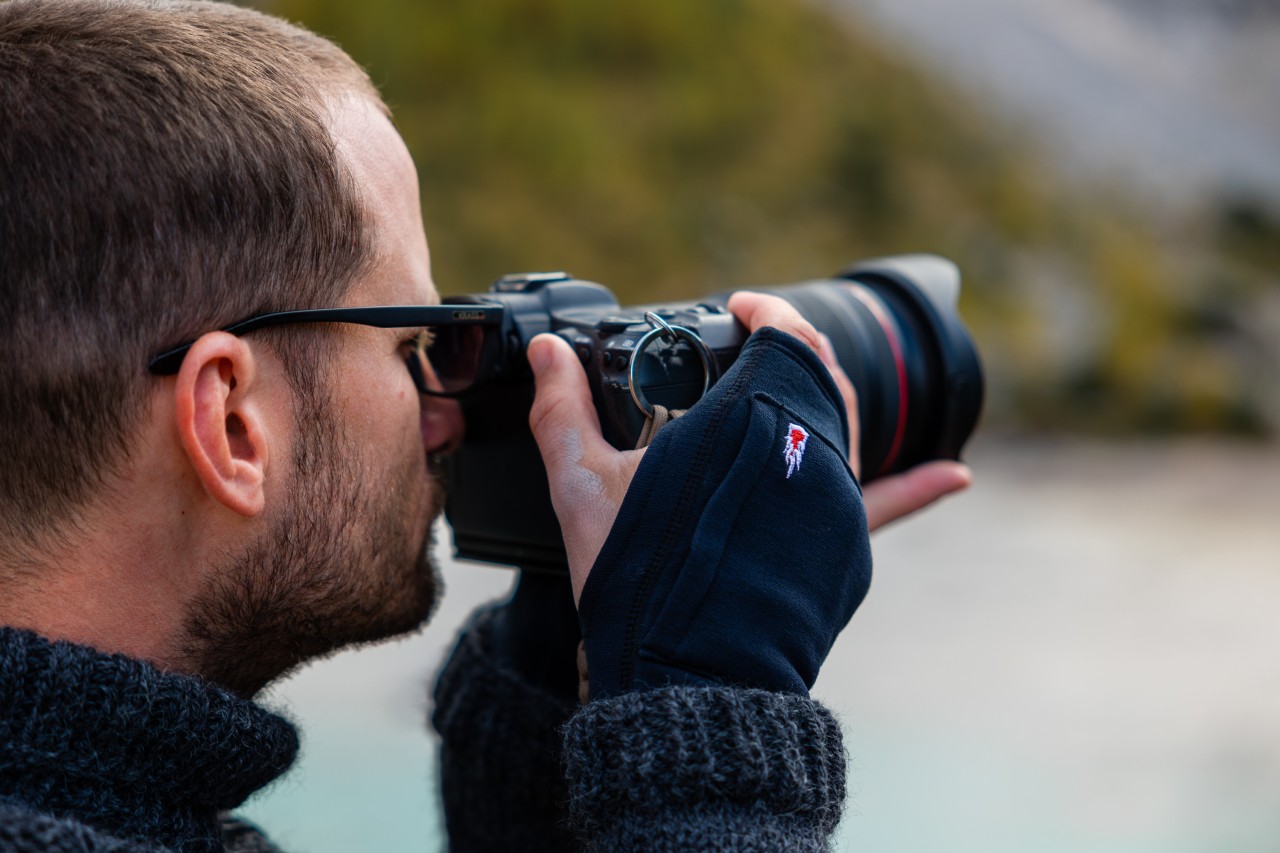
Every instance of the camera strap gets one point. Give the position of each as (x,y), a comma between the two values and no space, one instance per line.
(661,417)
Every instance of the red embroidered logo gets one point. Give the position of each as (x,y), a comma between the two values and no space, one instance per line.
(797,440)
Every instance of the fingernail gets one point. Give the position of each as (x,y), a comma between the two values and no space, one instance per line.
(539,355)
(962,473)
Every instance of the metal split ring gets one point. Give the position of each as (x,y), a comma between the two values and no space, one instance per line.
(672,334)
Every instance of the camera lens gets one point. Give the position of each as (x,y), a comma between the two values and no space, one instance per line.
(895,330)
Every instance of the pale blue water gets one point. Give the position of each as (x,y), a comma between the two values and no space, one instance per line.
(356,788)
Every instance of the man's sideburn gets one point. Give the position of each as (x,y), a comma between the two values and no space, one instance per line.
(339,567)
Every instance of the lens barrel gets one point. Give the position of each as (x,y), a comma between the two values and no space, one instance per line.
(894,326)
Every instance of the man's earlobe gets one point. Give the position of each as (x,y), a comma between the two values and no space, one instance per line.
(220,424)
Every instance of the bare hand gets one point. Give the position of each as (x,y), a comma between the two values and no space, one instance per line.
(588,477)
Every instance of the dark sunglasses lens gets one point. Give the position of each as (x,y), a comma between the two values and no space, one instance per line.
(453,360)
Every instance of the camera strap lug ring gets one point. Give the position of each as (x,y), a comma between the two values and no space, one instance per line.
(662,329)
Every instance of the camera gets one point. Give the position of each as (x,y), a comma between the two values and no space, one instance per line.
(893,324)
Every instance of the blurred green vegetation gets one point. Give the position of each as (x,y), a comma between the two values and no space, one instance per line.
(669,148)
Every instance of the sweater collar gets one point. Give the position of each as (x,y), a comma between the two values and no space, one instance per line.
(118,745)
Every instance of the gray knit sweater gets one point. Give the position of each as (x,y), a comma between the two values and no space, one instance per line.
(673,769)
(103,753)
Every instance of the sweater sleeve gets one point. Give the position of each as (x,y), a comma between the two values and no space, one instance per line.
(501,737)
(740,552)
(704,768)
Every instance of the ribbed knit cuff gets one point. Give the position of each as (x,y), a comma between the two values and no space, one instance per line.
(705,764)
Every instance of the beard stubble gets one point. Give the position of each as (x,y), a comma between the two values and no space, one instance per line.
(347,562)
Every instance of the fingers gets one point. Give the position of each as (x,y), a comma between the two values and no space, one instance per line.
(850,396)
(756,310)
(563,418)
(893,497)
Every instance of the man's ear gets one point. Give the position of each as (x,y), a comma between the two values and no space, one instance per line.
(220,422)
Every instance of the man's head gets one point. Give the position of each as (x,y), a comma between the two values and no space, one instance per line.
(167,169)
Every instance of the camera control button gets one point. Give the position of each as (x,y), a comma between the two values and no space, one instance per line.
(615,324)
(621,363)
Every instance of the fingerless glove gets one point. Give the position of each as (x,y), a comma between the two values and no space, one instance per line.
(741,548)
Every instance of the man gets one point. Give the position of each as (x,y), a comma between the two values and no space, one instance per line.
(174,538)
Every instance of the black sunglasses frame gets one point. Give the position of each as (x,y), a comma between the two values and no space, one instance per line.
(379,316)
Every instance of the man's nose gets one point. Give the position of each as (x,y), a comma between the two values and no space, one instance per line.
(443,426)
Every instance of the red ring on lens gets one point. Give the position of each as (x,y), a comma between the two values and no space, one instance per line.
(895,346)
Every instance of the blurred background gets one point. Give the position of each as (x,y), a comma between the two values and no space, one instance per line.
(1081,652)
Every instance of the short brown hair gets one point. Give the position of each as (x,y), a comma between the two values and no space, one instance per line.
(165,169)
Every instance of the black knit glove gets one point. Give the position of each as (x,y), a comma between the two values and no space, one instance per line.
(501,703)
(535,634)
(741,549)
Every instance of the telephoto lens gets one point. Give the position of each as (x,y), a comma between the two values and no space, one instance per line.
(896,331)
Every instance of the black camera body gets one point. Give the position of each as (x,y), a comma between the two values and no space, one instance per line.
(892,322)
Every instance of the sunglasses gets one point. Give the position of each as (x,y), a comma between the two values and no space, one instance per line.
(452,358)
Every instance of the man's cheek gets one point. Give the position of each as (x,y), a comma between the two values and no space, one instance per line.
(441,425)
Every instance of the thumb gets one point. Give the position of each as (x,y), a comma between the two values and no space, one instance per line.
(563,418)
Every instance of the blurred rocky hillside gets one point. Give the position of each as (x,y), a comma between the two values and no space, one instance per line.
(1229,12)
(669,148)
